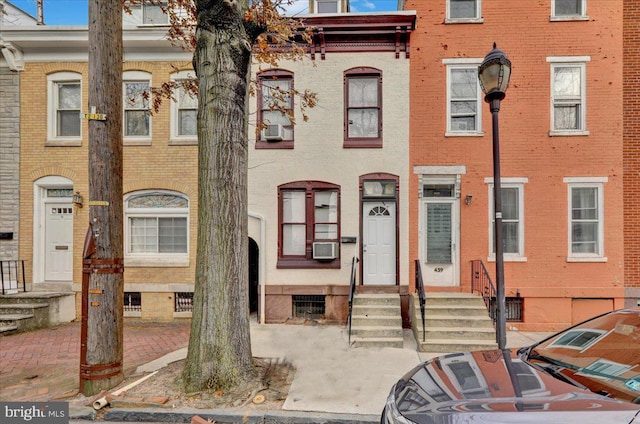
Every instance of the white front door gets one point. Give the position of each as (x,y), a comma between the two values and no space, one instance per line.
(379,243)
(58,240)
(439,253)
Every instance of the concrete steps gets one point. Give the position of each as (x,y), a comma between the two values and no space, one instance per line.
(454,322)
(27,311)
(376,321)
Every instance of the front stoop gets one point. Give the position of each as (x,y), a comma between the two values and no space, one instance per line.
(376,321)
(454,322)
(32,310)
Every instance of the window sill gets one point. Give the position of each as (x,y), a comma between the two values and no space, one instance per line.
(568,18)
(183,142)
(182,314)
(464,20)
(158,262)
(63,143)
(509,259)
(362,144)
(136,142)
(464,134)
(132,314)
(587,259)
(284,144)
(572,133)
(295,263)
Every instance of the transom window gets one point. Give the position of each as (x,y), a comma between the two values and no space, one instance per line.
(156,225)
(275,109)
(363,101)
(464,111)
(512,202)
(568,9)
(463,10)
(65,94)
(586,223)
(136,99)
(309,214)
(568,96)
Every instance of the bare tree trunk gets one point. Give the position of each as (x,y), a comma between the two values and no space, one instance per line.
(219,354)
(104,339)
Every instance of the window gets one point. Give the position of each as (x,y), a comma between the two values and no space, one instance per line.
(308,306)
(156,228)
(464,101)
(578,339)
(568,97)
(328,6)
(275,109)
(464,10)
(132,302)
(586,226)
(65,105)
(363,102)
(183,301)
(568,9)
(137,96)
(184,111)
(512,218)
(153,14)
(309,225)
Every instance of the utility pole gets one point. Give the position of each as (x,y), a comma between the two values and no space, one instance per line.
(103,280)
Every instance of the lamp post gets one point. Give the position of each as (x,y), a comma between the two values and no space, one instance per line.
(494,73)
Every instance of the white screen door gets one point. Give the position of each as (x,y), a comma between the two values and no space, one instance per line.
(58,264)
(379,243)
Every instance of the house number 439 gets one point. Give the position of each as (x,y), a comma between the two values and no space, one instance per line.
(439,269)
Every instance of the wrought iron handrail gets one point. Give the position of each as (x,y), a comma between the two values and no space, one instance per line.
(352,292)
(421,295)
(481,283)
(9,269)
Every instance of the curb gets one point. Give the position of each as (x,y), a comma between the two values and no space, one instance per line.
(223,416)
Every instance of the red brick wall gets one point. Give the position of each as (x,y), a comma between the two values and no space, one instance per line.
(631,150)
(523,30)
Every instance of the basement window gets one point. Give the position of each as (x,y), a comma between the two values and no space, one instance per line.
(184,301)
(308,306)
(132,302)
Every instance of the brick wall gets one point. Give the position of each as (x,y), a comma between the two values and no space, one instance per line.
(631,149)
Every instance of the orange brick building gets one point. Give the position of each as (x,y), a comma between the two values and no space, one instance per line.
(561,144)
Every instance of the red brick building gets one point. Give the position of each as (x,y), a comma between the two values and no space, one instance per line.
(561,142)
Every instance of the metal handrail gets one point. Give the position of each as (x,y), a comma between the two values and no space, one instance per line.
(481,283)
(421,295)
(14,268)
(352,292)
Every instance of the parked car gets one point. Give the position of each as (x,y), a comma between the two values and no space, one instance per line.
(588,373)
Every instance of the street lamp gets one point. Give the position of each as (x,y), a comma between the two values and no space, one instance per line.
(494,73)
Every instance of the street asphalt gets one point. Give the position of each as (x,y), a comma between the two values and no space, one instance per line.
(333,383)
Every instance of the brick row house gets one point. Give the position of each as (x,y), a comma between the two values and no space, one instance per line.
(393,167)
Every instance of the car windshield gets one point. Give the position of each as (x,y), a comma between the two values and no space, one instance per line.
(602,354)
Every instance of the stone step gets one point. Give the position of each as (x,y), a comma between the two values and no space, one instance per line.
(449,346)
(18,308)
(378,342)
(458,310)
(7,328)
(23,322)
(468,322)
(461,333)
(377,310)
(458,299)
(376,331)
(376,320)
(376,299)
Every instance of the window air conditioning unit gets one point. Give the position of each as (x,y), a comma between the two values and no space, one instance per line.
(325,250)
(273,132)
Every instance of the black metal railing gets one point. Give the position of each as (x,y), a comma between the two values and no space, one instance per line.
(421,295)
(183,301)
(482,284)
(352,292)
(12,276)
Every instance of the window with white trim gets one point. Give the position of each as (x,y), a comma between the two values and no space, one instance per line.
(586,219)
(154,14)
(568,9)
(184,110)
(136,91)
(65,105)
(464,10)
(464,100)
(568,96)
(156,227)
(512,218)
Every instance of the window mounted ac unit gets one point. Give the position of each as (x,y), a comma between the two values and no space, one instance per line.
(325,250)
(273,132)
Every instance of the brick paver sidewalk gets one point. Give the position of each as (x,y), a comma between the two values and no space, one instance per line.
(44,364)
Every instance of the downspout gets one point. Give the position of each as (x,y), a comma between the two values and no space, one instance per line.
(263,263)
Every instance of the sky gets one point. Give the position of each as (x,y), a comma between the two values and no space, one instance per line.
(75,12)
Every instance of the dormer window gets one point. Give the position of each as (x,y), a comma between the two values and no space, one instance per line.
(327,6)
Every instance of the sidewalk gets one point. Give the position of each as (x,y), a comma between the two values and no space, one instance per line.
(331,379)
